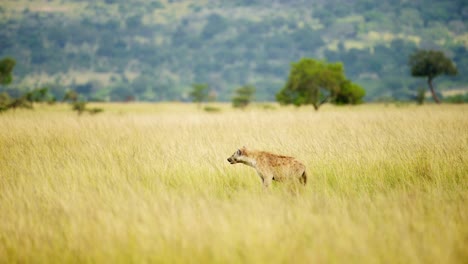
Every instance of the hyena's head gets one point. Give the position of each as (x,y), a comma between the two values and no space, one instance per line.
(238,156)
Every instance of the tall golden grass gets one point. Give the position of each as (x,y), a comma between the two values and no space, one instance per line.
(150,183)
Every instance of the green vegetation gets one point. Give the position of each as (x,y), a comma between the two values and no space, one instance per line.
(140,184)
(421,95)
(316,82)
(5,101)
(26,100)
(154,50)
(243,96)
(6,67)
(349,93)
(457,99)
(79,105)
(211,109)
(430,64)
(199,93)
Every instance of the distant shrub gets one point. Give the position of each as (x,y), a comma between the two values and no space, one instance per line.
(52,100)
(38,95)
(21,102)
(79,107)
(457,99)
(268,107)
(212,109)
(243,96)
(420,95)
(70,96)
(5,101)
(95,110)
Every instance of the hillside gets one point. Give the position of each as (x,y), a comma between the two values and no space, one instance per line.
(154,50)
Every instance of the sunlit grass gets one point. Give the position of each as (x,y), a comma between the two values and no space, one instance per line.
(150,183)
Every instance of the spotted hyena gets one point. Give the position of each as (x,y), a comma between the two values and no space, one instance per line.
(270,166)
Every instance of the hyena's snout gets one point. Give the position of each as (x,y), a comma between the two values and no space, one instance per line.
(234,158)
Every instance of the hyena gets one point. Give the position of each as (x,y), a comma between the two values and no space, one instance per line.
(270,166)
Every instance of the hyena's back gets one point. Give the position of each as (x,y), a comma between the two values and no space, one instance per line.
(282,167)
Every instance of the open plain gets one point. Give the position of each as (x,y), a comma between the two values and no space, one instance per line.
(150,183)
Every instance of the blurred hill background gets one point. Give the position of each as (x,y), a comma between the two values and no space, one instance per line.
(154,50)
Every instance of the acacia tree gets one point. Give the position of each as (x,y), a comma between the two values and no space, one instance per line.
(243,96)
(316,82)
(430,64)
(6,67)
(349,93)
(199,93)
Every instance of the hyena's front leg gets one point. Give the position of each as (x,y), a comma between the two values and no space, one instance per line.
(267,181)
(266,177)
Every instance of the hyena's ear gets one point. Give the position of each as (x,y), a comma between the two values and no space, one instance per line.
(242,150)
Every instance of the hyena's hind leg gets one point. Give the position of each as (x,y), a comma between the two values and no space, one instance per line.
(303,178)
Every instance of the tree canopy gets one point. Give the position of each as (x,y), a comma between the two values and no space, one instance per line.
(315,82)
(243,96)
(199,93)
(6,68)
(430,64)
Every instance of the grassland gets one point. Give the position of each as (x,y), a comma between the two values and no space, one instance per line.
(150,183)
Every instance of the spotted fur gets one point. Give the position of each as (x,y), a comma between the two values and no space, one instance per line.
(270,166)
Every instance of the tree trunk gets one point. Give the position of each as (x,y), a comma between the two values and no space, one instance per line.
(434,95)
(316,106)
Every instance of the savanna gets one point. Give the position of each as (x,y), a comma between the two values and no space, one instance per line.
(149,183)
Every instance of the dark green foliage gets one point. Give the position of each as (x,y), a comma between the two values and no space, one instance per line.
(5,101)
(6,68)
(430,64)
(21,102)
(420,95)
(199,93)
(79,107)
(26,100)
(70,96)
(38,95)
(95,110)
(243,96)
(457,99)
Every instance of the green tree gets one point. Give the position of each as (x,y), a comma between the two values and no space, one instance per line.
(6,67)
(38,95)
(312,82)
(430,64)
(5,101)
(349,93)
(71,95)
(420,95)
(199,93)
(243,96)
(79,106)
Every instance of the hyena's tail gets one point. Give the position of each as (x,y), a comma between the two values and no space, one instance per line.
(303,178)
